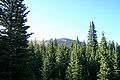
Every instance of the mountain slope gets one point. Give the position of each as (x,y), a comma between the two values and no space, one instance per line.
(62,41)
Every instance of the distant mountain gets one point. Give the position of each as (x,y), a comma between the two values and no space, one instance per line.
(62,41)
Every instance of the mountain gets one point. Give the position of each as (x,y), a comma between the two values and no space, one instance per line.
(62,41)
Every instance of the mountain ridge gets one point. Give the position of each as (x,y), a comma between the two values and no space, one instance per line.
(60,41)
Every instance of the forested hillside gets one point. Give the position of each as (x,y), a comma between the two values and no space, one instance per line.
(23,60)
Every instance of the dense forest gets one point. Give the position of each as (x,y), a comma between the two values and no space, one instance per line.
(21,59)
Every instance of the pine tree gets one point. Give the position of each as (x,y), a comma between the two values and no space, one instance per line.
(52,59)
(43,50)
(60,63)
(116,75)
(55,45)
(110,60)
(103,73)
(92,40)
(45,69)
(37,60)
(84,61)
(91,50)
(13,17)
(73,71)
(31,47)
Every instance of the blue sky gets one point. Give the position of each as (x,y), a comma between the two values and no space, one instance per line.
(71,18)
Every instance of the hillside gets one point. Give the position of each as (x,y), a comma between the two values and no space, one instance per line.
(62,41)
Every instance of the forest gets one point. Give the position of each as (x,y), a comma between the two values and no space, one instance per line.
(21,59)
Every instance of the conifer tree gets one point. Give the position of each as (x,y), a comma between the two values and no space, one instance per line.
(103,73)
(110,60)
(52,59)
(60,63)
(84,61)
(92,40)
(116,75)
(91,49)
(55,45)
(37,60)
(45,71)
(73,71)
(31,47)
(13,17)
(43,50)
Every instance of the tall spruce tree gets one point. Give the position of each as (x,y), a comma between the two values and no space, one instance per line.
(60,63)
(103,52)
(116,71)
(43,50)
(14,40)
(73,71)
(45,71)
(84,61)
(52,59)
(37,61)
(110,60)
(55,45)
(92,40)
(91,49)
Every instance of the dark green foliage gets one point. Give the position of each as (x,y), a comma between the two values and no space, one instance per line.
(73,71)
(92,41)
(116,62)
(13,55)
(61,63)
(43,50)
(35,59)
(111,52)
(103,73)
(83,61)
(91,50)
(72,62)
(46,69)
(78,61)
(50,54)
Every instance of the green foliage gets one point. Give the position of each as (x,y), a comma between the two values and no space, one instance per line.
(116,63)
(23,60)
(60,63)
(46,69)
(14,39)
(92,41)
(50,54)
(91,49)
(103,73)
(73,71)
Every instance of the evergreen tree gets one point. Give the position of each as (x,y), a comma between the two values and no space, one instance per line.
(116,63)
(37,60)
(43,50)
(110,60)
(103,73)
(92,41)
(91,52)
(55,45)
(52,59)
(60,63)
(13,17)
(73,71)
(31,47)
(84,61)
(45,69)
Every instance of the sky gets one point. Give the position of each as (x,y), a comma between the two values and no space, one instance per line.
(71,18)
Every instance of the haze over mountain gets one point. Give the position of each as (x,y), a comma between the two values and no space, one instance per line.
(60,41)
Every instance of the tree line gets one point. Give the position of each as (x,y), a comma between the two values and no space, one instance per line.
(24,60)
